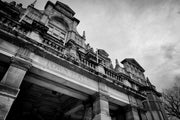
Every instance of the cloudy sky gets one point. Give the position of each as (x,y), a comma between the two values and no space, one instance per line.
(147,30)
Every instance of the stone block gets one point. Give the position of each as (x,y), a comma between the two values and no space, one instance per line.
(5,105)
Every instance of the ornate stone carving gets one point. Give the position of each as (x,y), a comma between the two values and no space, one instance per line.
(71,51)
(103,53)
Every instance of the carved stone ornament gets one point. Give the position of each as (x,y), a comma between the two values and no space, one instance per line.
(71,51)
(103,53)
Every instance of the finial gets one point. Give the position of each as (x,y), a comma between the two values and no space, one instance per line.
(84,35)
(117,62)
(19,5)
(13,3)
(117,66)
(33,4)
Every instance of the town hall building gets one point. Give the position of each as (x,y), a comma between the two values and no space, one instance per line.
(49,72)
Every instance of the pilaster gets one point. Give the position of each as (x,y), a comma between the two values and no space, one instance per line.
(132,113)
(156,107)
(101,107)
(142,113)
(9,85)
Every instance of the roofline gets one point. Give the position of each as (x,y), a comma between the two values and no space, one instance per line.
(137,64)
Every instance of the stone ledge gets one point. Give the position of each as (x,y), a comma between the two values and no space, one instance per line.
(18,62)
(8,91)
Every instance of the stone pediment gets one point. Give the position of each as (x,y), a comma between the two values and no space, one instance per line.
(133,62)
(103,53)
(62,8)
(66,7)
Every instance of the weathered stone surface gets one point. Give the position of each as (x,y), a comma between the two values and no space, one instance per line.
(78,75)
(13,77)
(102,117)
(15,73)
(101,108)
(5,105)
(132,113)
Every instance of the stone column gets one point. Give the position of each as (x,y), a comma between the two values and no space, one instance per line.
(101,107)
(132,113)
(9,85)
(143,114)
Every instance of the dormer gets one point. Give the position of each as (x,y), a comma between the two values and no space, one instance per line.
(61,7)
(58,28)
(103,58)
(133,67)
(133,64)
(61,10)
(62,23)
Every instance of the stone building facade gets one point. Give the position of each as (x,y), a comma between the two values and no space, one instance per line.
(48,72)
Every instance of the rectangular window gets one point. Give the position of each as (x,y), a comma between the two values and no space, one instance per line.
(56,32)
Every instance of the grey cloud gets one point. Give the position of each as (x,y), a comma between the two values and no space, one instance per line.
(177,79)
(169,50)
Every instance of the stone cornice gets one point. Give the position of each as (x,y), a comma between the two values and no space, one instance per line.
(17,62)
(100,95)
(8,91)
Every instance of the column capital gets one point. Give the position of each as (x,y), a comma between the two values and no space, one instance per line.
(20,63)
(102,96)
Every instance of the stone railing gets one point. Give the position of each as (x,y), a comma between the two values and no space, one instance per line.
(88,64)
(112,74)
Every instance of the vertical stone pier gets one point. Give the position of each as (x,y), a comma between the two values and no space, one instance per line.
(101,108)
(9,85)
(101,104)
(132,113)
